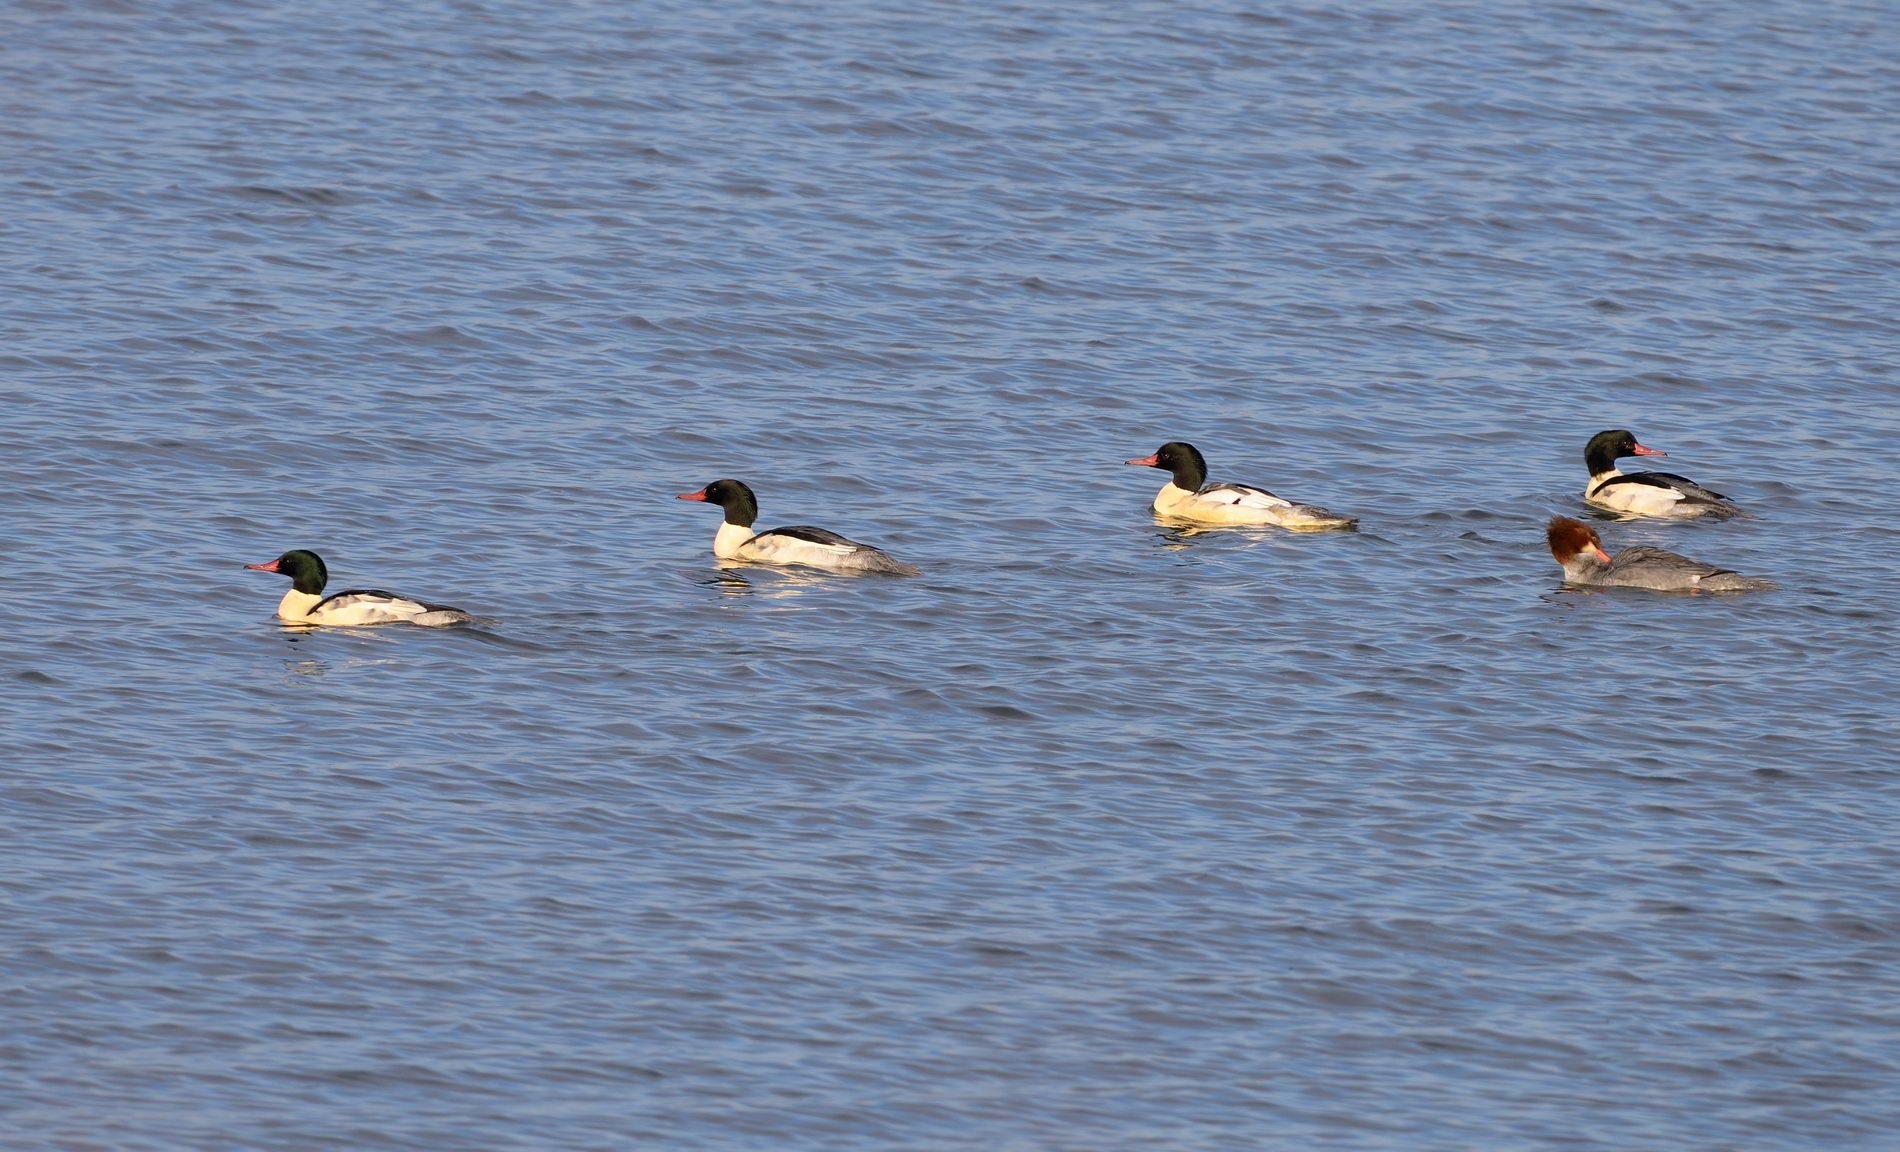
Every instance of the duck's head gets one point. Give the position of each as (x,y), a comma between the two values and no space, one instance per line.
(305,569)
(742,508)
(1184,460)
(1606,448)
(1569,539)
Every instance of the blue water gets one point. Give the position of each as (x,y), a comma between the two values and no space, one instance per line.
(1098,835)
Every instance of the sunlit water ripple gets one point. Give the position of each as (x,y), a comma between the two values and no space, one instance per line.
(1098,835)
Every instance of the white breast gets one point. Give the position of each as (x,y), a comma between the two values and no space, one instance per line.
(1642,499)
(730,539)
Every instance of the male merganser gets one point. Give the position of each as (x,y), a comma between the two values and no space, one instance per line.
(1645,493)
(1578,548)
(305,603)
(1189,497)
(798,544)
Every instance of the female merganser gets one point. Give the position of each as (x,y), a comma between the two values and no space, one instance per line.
(305,603)
(735,539)
(1189,497)
(1645,493)
(1578,548)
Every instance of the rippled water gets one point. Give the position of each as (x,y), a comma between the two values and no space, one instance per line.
(1096,836)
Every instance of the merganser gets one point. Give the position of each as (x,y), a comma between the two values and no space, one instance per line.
(305,603)
(798,544)
(1645,493)
(1189,497)
(1578,548)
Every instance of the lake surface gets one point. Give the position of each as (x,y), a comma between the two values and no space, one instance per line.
(1098,835)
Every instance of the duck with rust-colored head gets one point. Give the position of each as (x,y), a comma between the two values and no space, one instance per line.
(1579,549)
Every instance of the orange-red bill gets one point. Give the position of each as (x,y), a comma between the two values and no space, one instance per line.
(271,567)
(1150,461)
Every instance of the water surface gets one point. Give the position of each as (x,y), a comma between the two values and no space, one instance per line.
(1096,836)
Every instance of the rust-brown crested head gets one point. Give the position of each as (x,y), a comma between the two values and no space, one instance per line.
(1569,538)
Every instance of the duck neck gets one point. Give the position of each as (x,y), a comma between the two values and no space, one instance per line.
(1583,565)
(731,537)
(297,603)
(739,507)
(1600,459)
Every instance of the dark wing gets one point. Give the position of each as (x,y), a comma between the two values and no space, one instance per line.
(433,607)
(1691,491)
(338,600)
(1695,491)
(1643,554)
(1247,494)
(814,535)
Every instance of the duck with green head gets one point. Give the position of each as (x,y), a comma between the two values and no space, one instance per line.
(1646,493)
(1188,496)
(799,544)
(305,603)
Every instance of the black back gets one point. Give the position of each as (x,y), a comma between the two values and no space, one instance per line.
(815,535)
